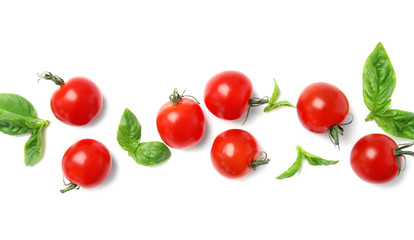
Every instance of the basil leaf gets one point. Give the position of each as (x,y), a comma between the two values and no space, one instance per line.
(397,122)
(151,153)
(293,169)
(17,104)
(273,99)
(15,124)
(33,148)
(312,160)
(129,131)
(378,81)
(278,104)
(315,160)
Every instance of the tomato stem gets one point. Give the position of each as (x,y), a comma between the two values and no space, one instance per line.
(400,152)
(69,187)
(175,97)
(49,76)
(263,161)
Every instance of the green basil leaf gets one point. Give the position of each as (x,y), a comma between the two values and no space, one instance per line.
(151,153)
(15,124)
(278,104)
(17,104)
(397,122)
(293,169)
(33,148)
(275,93)
(315,160)
(378,81)
(129,131)
(273,99)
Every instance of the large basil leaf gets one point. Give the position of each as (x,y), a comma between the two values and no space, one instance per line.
(378,81)
(129,131)
(397,122)
(15,124)
(17,104)
(151,153)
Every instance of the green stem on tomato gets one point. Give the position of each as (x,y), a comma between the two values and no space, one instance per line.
(259,162)
(175,97)
(70,186)
(49,76)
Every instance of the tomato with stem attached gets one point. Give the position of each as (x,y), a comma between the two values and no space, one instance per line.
(87,163)
(376,158)
(77,102)
(181,122)
(321,108)
(235,153)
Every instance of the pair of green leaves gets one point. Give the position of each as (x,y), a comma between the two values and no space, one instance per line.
(273,99)
(18,116)
(312,160)
(129,137)
(379,82)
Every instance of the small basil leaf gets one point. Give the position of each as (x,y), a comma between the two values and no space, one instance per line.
(378,81)
(33,148)
(397,122)
(293,169)
(15,124)
(275,93)
(17,104)
(315,160)
(151,153)
(129,131)
(278,104)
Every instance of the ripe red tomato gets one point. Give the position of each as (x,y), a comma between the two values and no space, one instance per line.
(77,101)
(322,106)
(373,159)
(235,153)
(86,163)
(227,94)
(181,122)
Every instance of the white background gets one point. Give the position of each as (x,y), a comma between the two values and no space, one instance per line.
(137,52)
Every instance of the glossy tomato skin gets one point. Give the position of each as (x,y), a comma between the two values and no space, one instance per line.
(86,163)
(232,153)
(181,125)
(373,159)
(227,94)
(77,102)
(321,106)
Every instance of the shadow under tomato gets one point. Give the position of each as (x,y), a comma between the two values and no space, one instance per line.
(113,173)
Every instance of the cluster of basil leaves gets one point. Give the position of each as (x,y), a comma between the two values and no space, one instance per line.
(129,138)
(378,85)
(18,116)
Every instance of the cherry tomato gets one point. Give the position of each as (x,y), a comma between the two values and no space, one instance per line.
(77,102)
(322,106)
(373,158)
(235,153)
(86,163)
(181,122)
(227,94)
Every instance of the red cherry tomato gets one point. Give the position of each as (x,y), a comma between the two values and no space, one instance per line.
(227,94)
(373,159)
(86,163)
(77,102)
(322,106)
(181,122)
(235,153)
